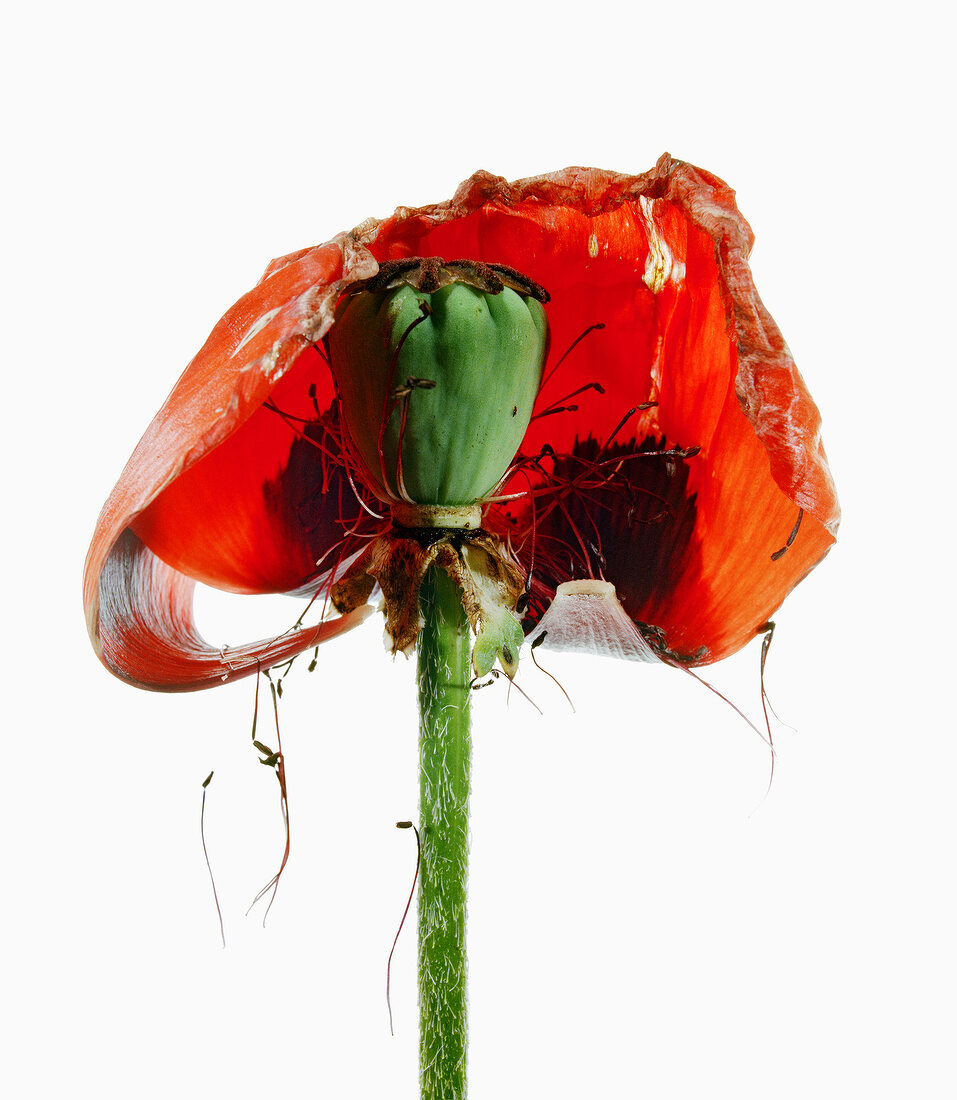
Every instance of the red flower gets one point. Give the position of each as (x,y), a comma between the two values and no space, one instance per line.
(241,482)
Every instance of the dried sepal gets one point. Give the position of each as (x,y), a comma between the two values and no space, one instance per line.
(490,581)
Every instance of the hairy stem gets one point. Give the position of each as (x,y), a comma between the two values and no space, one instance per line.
(444,766)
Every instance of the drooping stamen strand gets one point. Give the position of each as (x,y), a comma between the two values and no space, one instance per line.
(538,641)
(494,673)
(202,833)
(768,631)
(405,913)
(276,761)
(723,698)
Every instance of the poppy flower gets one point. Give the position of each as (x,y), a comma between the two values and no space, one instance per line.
(672,451)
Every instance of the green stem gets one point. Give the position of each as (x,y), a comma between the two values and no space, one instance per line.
(444,765)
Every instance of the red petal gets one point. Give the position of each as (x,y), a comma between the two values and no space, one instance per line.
(197,485)
(216,490)
(661,260)
(145,621)
(252,516)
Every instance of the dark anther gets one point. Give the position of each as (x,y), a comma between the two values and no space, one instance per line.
(521,605)
(793,535)
(599,556)
(285,416)
(768,631)
(541,638)
(646,405)
(410,385)
(556,408)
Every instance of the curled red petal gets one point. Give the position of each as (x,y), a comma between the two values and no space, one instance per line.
(146,635)
(198,485)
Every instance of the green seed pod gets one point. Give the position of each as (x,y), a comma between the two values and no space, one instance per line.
(438,367)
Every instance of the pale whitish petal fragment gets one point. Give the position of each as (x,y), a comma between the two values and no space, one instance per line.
(587,617)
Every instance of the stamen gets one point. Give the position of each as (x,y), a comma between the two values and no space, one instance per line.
(768,631)
(202,833)
(402,394)
(557,409)
(286,416)
(412,384)
(276,761)
(405,913)
(581,542)
(578,339)
(388,409)
(778,554)
(570,408)
(621,423)
(494,674)
(724,698)
(538,641)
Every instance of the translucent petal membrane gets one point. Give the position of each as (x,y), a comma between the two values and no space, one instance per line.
(225,489)
(586,617)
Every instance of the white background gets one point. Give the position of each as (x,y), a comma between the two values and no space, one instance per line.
(646,921)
